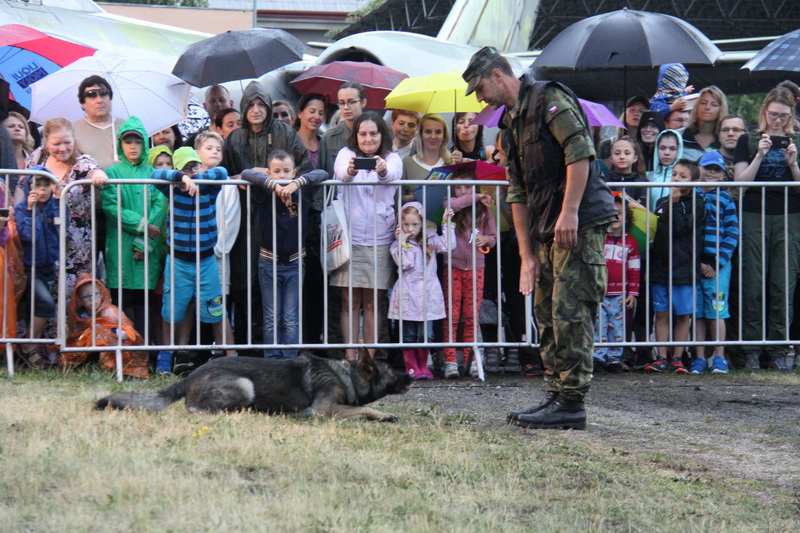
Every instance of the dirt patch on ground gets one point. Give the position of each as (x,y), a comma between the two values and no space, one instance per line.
(743,425)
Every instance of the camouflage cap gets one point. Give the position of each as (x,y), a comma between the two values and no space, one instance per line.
(480,61)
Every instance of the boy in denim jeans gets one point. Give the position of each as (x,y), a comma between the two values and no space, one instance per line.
(279,261)
(38,213)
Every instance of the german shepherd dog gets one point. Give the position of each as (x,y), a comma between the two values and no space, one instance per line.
(306,386)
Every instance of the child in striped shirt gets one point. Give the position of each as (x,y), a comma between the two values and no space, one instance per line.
(720,238)
(192,231)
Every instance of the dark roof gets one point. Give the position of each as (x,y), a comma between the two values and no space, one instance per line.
(719,19)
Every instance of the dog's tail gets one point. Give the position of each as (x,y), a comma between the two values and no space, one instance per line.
(150,401)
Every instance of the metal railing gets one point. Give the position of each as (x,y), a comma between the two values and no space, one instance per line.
(429,198)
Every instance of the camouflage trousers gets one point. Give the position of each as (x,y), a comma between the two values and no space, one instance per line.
(571,285)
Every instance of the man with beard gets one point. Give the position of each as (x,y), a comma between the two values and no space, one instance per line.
(562,210)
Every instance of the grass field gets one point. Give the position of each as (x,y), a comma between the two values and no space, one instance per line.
(65,467)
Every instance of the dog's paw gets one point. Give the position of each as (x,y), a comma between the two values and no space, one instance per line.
(390,418)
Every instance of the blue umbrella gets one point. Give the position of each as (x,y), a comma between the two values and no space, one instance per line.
(28,55)
(781,54)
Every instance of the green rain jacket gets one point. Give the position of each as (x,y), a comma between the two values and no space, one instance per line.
(126,203)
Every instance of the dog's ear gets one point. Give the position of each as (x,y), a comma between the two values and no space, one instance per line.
(365,362)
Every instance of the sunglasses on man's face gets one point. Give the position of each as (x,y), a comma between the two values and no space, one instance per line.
(94,93)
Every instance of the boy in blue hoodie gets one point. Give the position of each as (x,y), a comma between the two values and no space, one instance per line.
(672,80)
(38,214)
(190,240)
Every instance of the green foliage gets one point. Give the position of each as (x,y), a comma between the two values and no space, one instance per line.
(746,105)
(355,16)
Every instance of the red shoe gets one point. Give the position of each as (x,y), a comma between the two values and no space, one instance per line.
(422,364)
(659,365)
(678,367)
(531,370)
(410,359)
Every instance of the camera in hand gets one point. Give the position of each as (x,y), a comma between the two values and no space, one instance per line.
(365,163)
(4,212)
(779,142)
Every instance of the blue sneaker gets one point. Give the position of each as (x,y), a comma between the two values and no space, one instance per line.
(164,362)
(719,365)
(698,366)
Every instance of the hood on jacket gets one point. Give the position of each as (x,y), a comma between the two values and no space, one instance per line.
(255,90)
(430,227)
(657,166)
(156,151)
(672,80)
(132,124)
(26,183)
(649,116)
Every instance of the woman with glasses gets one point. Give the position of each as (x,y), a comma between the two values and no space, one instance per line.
(770,245)
(351,101)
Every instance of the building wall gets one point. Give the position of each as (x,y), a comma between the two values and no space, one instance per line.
(199,19)
(308,25)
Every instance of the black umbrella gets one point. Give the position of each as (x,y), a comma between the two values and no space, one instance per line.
(627,38)
(237,55)
(781,54)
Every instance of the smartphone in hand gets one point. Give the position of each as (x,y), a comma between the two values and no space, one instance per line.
(365,163)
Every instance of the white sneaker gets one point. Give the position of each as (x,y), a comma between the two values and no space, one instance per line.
(451,370)
(473,369)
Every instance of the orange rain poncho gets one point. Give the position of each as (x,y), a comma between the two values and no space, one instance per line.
(12,277)
(79,333)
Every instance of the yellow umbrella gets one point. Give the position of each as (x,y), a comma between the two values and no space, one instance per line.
(435,93)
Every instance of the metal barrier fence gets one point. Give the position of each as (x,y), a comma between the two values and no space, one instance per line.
(431,197)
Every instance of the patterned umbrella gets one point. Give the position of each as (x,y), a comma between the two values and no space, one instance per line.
(781,54)
(28,55)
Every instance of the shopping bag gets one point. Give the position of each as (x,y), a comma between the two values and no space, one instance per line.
(335,237)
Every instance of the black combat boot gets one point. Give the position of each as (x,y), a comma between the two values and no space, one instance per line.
(548,399)
(561,414)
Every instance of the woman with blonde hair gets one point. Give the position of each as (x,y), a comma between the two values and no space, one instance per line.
(21,136)
(430,151)
(59,155)
(771,244)
(707,113)
(22,140)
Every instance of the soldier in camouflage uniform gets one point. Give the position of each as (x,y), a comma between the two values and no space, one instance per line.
(562,209)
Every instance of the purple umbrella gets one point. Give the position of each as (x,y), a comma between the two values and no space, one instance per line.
(599,115)
(489,116)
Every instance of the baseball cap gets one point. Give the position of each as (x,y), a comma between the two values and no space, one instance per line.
(712,158)
(125,133)
(641,99)
(480,61)
(183,156)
